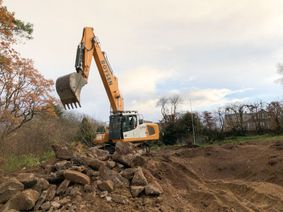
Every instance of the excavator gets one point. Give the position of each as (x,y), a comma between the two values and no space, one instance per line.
(124,126)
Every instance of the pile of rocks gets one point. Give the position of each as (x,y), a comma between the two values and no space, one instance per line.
(77,178)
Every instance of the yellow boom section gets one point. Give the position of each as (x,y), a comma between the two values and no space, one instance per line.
(69,87)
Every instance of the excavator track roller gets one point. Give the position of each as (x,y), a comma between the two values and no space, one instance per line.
(69,88)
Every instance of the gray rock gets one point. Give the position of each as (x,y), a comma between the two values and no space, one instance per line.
(116,178)
(61,165)
(126,160)
(120,199)
(106,185)
(76,177)
(9,188)
(152,190)
(23,201)
(111,164)
(62,152)
(136,190)
(99,153)
(138,161)
(62,188)
(28,179)
(42,184)
(124,148)
(128,173)
(139,178)
(45,206)
(51,191)
(41,200)
(95,163)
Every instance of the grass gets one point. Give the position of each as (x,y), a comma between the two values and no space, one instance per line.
(243,139)
(16,162)
(231,140)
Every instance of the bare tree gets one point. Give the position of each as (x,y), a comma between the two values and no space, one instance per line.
(234,117)
(169,107)
(275,112)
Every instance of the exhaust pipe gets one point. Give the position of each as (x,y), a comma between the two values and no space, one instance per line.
(69,88)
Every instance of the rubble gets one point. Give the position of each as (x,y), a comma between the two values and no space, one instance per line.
(79,177)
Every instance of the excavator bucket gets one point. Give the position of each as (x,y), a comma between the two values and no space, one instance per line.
(69,88)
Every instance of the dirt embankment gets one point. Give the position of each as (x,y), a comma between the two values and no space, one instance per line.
(243,177)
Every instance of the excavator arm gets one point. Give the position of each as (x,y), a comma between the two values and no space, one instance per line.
(69,86)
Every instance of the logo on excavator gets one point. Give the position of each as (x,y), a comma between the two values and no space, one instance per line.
(106,71)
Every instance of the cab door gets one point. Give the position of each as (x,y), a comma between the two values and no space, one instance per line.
(115,127)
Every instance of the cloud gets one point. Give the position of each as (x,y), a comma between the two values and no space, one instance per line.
(143,81)
(211,97)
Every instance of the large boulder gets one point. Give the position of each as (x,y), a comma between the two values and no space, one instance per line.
(9,188)
(126,160)
(76,177)
(139,178)
(28,179)
(124,148)
(23,201)
(109,174)
(62,152)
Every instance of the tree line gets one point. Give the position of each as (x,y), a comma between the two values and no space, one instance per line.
(235,119)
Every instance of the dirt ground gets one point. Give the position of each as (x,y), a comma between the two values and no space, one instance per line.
(242,177)
(230,177)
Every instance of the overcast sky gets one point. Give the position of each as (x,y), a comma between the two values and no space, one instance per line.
(213,52)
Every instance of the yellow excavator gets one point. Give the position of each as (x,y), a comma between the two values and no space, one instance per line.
(125,126)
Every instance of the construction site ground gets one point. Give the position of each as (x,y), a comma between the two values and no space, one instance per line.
(229,177)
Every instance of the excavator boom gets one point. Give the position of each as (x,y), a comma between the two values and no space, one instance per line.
(69,86)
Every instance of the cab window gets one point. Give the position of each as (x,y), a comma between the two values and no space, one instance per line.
(129,122)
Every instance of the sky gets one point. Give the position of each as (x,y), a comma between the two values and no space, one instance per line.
(210,52)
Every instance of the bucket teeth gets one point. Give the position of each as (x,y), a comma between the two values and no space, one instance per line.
(69,88)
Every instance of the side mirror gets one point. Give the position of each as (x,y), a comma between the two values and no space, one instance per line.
(140,121)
